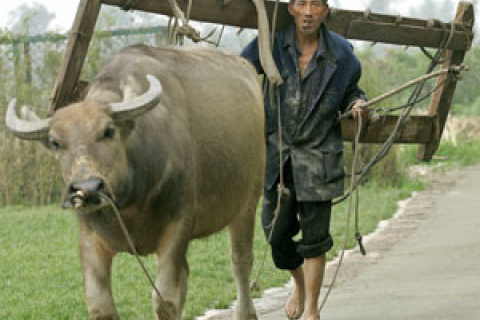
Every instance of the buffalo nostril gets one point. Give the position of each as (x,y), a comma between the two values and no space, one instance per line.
(91,185)
(84,191)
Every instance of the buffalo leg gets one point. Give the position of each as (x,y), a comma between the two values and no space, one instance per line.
(172,274)
(97,265)
(241,242)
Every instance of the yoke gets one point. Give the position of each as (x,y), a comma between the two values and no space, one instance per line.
(425,130)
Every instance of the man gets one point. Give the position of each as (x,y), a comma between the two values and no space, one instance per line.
(320,75)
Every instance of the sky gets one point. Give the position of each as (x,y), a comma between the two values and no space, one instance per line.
(65,10)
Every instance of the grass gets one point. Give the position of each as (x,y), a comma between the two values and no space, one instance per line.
(40,273)
(448,155)
(464,154)
(41,278)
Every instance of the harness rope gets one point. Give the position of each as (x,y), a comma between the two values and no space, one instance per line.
(168,310)
(413,100)
(349,214)
(185,29)
(451,71)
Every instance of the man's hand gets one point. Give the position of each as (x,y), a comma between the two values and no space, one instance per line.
(358,109)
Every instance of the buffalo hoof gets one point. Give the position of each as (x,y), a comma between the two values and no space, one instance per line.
(106,318)
(245,315)
(166,311)
(98,316)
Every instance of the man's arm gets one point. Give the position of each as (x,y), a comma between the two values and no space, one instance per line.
(251,53)
(354,96)
(353,92)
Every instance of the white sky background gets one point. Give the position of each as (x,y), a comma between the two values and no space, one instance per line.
(65,10)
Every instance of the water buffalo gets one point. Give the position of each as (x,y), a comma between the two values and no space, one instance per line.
(175,136)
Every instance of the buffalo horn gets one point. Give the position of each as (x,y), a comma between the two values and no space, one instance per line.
(29,130)
(127,110)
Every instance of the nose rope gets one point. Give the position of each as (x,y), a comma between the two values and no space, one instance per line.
(78,201)
(168,309)
(108,186)
(78,198)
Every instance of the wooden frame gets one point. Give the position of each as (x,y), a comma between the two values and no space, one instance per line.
(442,99)
(424,130)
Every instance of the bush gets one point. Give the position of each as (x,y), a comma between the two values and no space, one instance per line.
(469,110)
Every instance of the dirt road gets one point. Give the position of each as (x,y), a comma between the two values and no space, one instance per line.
(432,269)
(424,265)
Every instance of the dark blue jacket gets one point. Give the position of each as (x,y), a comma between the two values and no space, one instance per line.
(311,138)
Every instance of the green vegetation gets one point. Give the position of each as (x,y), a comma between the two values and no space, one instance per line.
(41,278)
(40,273)
(450,155)
(28,174)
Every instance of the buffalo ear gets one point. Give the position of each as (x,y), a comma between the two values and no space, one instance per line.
(126,128)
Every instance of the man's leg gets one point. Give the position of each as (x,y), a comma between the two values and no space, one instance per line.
(314,269)
(296,302)
(316,241)
(280,236)
(284,249)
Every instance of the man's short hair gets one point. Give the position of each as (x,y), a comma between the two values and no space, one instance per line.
(324,1)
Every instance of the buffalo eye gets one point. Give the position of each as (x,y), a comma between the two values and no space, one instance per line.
(109,133)
(54,144)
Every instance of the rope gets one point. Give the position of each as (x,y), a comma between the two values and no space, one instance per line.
(429,55)
(189,10)
(412,101)
(220,36)
(353,183)
(444,43)
(389,110)
(274,22)
(168,310)
(172,30)
(282,191)
(185,29)
(395,91)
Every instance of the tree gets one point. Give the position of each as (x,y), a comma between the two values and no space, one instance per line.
(30,19)
(114,18)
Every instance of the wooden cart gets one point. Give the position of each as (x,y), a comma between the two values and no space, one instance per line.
(425,130)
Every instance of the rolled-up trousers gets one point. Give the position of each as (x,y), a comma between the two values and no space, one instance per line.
(312,218)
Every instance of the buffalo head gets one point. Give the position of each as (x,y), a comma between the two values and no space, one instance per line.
(88,139)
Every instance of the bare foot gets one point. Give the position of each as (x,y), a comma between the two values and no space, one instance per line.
(295,304)
(311,316)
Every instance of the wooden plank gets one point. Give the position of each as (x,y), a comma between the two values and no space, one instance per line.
(442,99)
(355,25)
(358,25)
(405,35)
(75,52)
(417,129)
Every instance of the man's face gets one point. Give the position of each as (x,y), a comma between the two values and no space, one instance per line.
(308,15)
